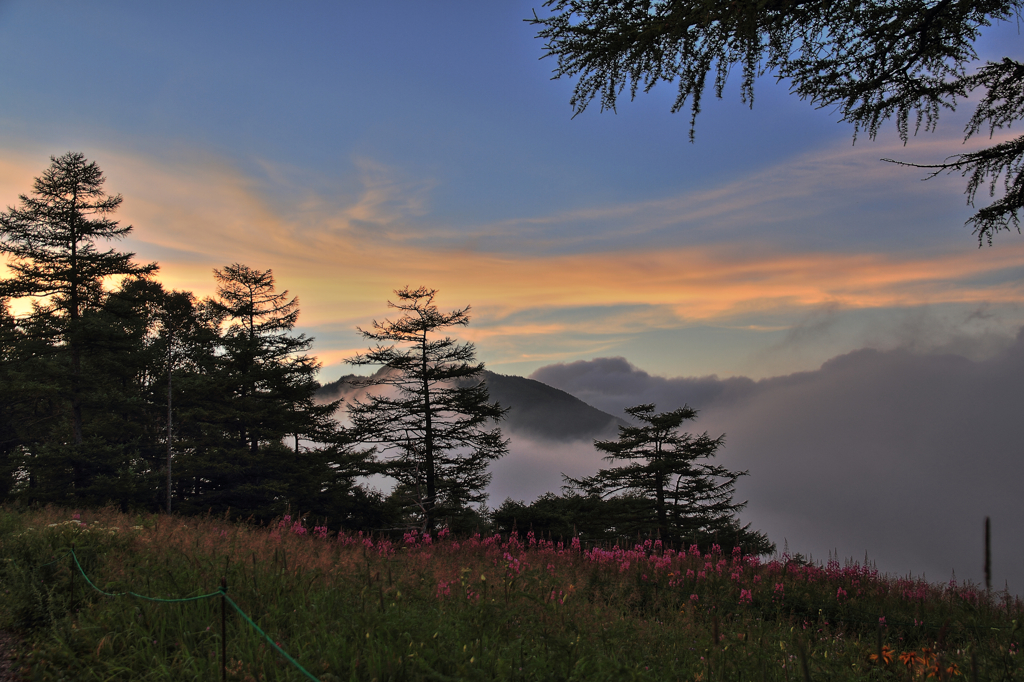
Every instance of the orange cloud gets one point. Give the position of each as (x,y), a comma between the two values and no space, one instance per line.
(343,255)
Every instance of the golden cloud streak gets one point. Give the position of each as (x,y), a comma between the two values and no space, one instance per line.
(715,283)
(345,257)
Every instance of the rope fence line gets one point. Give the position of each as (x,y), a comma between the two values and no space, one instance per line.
(272,643)
(221,592)
(136,594)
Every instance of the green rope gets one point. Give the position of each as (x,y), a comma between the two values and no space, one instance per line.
(50,563)
(272,643)
(219,593)
(136,594)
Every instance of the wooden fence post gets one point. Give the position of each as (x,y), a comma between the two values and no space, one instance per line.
(223,630)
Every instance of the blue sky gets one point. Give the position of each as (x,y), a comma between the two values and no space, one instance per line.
(429,140)
(356,148)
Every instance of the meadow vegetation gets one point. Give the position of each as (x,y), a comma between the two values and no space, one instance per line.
(348,606)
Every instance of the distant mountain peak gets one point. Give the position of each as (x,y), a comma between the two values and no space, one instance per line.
(535,409)
(543,411)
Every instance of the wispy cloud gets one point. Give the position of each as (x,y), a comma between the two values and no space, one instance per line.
(344,254)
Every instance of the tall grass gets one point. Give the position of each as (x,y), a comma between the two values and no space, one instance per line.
(350,607)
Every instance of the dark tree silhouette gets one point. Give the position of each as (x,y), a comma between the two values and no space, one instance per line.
(51,241)
(870,61)
(431,424)
(245,415)
(667,485)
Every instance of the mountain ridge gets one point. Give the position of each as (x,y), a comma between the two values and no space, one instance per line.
(535,408)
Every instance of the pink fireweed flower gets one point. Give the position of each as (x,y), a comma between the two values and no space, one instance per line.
(840,594)
(320,531)
(746,597)
(559,597)
(298,528)
(694,598)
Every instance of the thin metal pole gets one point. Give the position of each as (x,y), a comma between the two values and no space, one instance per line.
(223,630)
(170,430)
(988,555)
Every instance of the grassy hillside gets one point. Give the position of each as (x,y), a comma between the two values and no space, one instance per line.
(348,607)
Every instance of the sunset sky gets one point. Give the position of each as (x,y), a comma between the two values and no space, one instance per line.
(356,148)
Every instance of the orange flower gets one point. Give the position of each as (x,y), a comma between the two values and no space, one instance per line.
(909,658)
(886,655)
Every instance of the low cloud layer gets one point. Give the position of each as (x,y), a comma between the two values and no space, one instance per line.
(899,454)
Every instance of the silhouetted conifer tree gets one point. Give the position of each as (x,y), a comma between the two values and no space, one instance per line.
(52,240)
(432,422)
(667,486)
(252,437)
(887,59)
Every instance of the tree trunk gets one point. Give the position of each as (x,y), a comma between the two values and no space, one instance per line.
(428,443)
